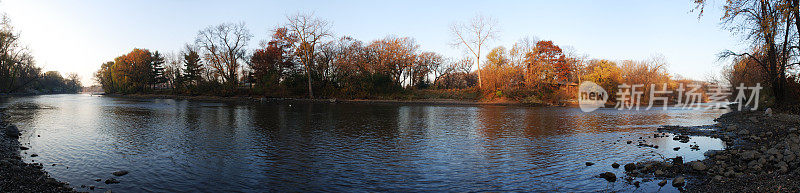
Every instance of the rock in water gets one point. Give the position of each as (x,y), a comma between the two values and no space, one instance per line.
(615,165)
(120,173)
(630,167)
(611,177)
(589,163)
(112,181)
(659,173)
(678,160)
(12,131)
(678,181)
(662,183)
(699,166)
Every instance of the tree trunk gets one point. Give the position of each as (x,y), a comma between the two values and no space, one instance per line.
(480,82)
(308,73)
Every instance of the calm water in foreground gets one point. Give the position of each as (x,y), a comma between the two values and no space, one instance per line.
(177,145)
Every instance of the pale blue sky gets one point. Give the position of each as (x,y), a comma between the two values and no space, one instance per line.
(77,36)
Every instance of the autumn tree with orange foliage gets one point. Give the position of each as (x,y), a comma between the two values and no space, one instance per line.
(545,65)
(270,64)
(131,73)
(500,73)
(299,61)
(394,56)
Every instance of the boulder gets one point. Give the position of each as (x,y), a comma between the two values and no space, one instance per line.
(12,131)
(699,166)
(662,183)
(123,172)
(743,132)
(712,153)
(749,155)
(112,181)
(608,176)
(783,169)
(659,173)
(773,151)
(630,167)
(678,181)
(678,160)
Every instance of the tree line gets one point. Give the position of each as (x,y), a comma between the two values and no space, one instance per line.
(303,59)
(771,27)
(18,70)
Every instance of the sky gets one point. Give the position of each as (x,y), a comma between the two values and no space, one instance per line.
(78,36)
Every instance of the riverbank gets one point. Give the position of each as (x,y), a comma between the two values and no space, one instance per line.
(249,99)
(15,174)
(762,155)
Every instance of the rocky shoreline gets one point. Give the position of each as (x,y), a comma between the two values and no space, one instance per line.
(15,174)
(762,155)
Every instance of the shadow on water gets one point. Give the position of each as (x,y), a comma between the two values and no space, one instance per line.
(177,145)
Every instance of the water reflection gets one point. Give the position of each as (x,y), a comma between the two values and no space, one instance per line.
(176,145)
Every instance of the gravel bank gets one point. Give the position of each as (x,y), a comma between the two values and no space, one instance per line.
(18,176)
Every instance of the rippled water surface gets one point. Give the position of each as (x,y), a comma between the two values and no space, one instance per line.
(177,145)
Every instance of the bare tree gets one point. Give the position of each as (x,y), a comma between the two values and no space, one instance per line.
(441,67)
(17,66)
(474,36)
(462,65)
(308,30)
(521,48)
(224,47)
(173,70)
(767,23)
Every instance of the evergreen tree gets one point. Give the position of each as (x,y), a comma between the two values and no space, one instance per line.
(193,68)
(157,70)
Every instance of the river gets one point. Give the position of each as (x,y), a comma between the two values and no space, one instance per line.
(179,146)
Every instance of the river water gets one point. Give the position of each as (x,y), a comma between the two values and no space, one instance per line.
(188,146)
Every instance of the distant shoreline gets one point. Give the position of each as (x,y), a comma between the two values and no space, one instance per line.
(252,99)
